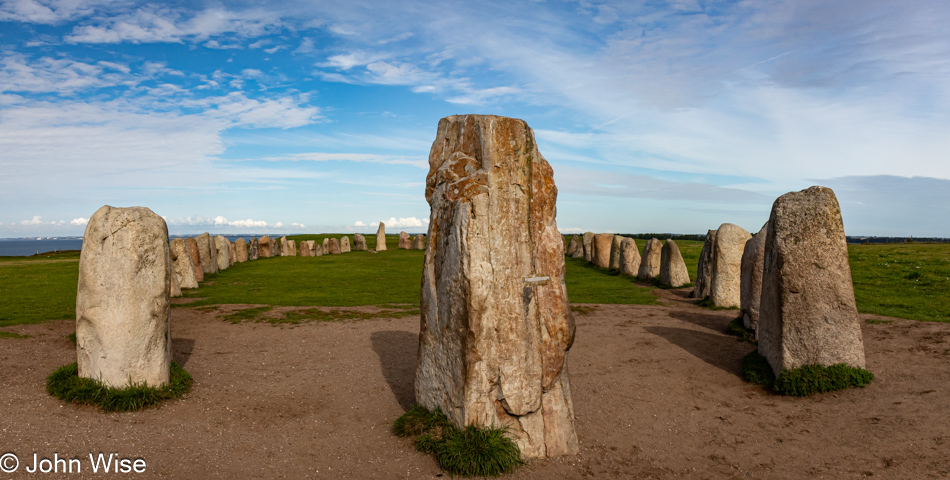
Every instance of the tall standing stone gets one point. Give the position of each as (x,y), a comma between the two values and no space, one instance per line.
(629,257)
(284,247)
(704,268)
(419,242)
(192,245)
(209,254)
(601,254)
(305,248)
(588,244)
(333,246)
(291,248)
(726,265)
(673,271)
(223,247)
(572,246)
(326,246)
(240,248)
(650,261)
(615,252)
(495,326)
(750,285)
(380,237)
(344,244)
(807,312)
(359,242)
(405,242)
(316,249)
(232,253)
(181,263)
(264,245)
(122,301)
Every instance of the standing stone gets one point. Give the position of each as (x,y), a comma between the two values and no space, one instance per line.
(326,246)
(333,246)
(264,245)
(673,271)
(344,244)
(174,284)
(629,257)
(192,245)
(253,250)
(305,248)
(615,252)
(291,248)
(573,245)
(495,326)
(419,242)
(380,237)
(223,247)
(704,268)
(601,254)
(750,285)
(807,312)
(359,242)
(181,263)
(284,249)
(316,249)
(209,254)
(588,243)
(240,248)
(405,242)
(122,301)
(232,253)
(650,262)
(726,265)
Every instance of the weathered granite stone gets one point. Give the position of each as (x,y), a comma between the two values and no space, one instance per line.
(333,246)
(264,246)
(673,271)
(359,243)
(380,237)
(419,242)
(192,245)
(807,312)
(615,252)
(240,249)
(232,253)
(253,249)
(726,265)
(305,249)
(223,248)
(650,261)
(602,244)
(750,285)
(291,248)
(175,287)
(316,249)
(573,245)
(181,263)
(326,246)
(588,244)
(629,257)
(344,244)
(495,326)
(207,252)
(122,302)
(405,241)
(284,247)
(704,267)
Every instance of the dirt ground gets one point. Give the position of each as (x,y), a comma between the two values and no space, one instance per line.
(657,392)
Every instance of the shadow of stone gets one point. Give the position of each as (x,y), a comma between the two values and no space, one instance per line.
(720,351)
(181,350)
(714,322)
(397,352)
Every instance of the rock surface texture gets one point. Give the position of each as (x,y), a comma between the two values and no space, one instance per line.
(192,245)
(629,257)
(496,325)
(207,252)
(326,246)
(284,247)
(405,241)
(419,242)
(704,267)
(333,246)
(615,252)
(265,245)
(588,244)
(572,245)
(359,242)
(181,262)
(750,285)
(650,262)
(316,249)
(223,250)
(122,301)
(240,248)
(344,244)
(305,249)
(292,248)
(726,265)
(807,314)
(673,271)
(253,250)
(380,237)
(602,243)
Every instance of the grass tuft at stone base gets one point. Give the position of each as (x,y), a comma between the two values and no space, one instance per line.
(472,452)
(805,380)
(65,384)
(737,328)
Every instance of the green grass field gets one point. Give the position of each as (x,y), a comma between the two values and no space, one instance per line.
(901,280)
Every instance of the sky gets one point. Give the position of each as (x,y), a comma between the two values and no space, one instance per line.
(311,116)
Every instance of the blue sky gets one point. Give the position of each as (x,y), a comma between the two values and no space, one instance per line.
(318,116)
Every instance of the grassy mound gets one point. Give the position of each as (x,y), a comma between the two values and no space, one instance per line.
(805,380)
(65,384)
(472,452)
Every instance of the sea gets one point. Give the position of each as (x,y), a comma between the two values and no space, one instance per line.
(24,247)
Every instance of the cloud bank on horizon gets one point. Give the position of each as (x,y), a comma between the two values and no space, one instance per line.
(318,116)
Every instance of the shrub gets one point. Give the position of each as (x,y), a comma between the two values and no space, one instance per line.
(65,384)
(756,369)
(815,378)
(737,328)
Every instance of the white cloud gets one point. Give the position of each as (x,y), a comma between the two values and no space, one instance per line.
(248,223)
(403,222)
(57,75)
(279,224)
(350,157)
(79,221)
(359,223)
(297,225)
(47,11)
(306,46)
(35,221)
